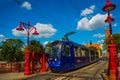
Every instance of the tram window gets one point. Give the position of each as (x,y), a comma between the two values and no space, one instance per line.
(87,53)
(83,52)
(79,52)
(63,50)
(75,52)
(68,50)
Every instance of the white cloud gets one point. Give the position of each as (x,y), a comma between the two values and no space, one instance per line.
(19,33)
(95,22)
(88,10)
(99,35)
(46,42)
(115,24)
(100,41)
(44,30)
(2,37)
(26,5)
(83,24)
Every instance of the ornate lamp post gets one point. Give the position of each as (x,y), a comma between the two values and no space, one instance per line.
(28,28)
(111,46)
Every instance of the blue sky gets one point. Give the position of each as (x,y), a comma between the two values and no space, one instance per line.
(54,18)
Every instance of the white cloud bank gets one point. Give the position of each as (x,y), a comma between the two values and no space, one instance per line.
(44,30)
(26,5)
(88,10)
(95,22)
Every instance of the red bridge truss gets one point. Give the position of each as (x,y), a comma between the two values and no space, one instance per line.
(40,62)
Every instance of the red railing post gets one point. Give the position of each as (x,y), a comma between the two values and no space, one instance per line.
(33,56)
(43,63)
(18,67)
(11,67)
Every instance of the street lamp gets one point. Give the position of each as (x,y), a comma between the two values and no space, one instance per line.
(28,28)
(111,46)
(108,6)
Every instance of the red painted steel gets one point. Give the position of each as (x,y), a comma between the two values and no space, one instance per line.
(40,62)
(28,28)
(43,63)
(47,62)
(113,63)
(27,62)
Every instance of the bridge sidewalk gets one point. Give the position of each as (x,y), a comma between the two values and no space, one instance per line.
(18,76)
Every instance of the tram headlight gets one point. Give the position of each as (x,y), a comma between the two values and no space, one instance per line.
(55,59)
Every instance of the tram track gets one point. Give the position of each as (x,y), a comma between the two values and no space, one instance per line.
(99,69)
(90,72)
(84,75)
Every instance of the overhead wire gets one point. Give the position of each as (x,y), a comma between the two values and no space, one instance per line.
(39,12)
(76,7)
(42,13)
(45,15)
(93,31)
(53,20)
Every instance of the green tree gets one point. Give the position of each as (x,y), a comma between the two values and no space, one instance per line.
(116,39)
(48,47)
(12,50)
(35,46)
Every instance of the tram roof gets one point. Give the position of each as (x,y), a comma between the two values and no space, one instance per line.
(69,42)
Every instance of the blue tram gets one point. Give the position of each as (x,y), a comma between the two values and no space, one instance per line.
(67,55)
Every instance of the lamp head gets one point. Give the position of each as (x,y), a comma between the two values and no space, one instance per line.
(109,6)
(35,32)
(109,19)
(19,28)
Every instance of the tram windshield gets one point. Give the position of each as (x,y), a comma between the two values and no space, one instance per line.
(55,52)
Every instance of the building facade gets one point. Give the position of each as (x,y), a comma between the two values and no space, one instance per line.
(97,46)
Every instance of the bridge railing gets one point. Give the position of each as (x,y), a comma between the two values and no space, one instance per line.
(40,62)
(6,67)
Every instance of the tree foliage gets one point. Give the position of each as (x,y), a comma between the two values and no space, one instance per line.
(48,47)
(35,46)
(116,39)
(12,50)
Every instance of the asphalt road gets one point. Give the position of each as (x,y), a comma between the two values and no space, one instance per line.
(91,72)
